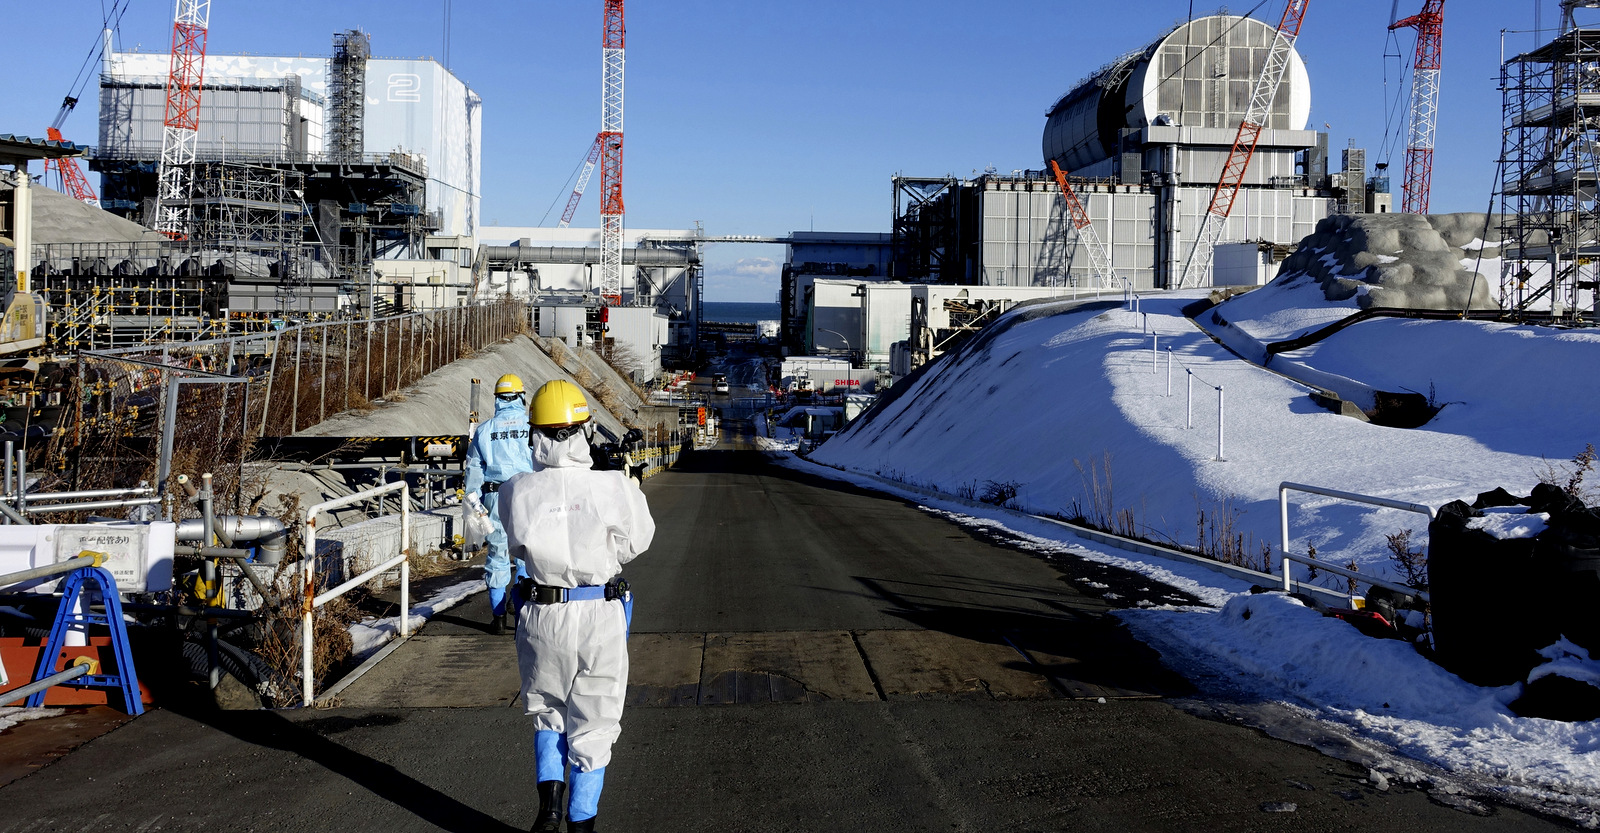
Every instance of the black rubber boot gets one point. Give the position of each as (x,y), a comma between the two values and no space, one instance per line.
(585,826)
(496,624)
(552,802)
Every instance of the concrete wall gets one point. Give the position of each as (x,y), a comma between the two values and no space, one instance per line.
(1241,264)
(440,403)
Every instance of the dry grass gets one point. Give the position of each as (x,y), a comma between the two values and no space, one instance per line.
(1101,511)
(430,564)
(1219,538)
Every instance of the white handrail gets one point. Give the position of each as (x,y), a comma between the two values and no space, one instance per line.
(313,600)
(1286,487)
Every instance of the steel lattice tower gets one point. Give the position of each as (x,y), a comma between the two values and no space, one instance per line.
(611,210)
(184,76)
(1429,24)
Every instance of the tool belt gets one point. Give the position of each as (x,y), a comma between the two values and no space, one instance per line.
(490,488)
(541,594)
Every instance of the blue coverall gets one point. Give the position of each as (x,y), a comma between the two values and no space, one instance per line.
(498,450)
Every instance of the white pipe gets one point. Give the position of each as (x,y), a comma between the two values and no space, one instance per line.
(1283,531)
(1169,371)
(1155,351)
(1188,398)
(1354,497)
(1220,458)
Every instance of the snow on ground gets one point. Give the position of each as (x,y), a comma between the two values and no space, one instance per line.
(1285,309)
(12,715)
(369,635)
(1065,402)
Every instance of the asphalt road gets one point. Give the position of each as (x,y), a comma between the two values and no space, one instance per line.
(805,657)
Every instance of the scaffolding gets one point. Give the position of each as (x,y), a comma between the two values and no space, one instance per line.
(347,95)
(1353,199)
(927,229)
(1550,169)
(255,215)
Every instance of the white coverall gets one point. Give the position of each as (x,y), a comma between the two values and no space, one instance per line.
(571,526)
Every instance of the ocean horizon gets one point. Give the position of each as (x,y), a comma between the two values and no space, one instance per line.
(740,313)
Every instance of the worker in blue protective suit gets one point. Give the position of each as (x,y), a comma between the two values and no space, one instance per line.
(499,451)
(572,528)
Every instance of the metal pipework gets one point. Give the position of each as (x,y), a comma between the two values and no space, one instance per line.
(207,519)
(266,533)
(516,256)
(48,570)
(98,504)
(231,555)
(136,491)
(55,679)
(22,481)
(183,610)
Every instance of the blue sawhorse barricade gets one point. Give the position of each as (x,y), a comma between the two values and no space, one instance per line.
(69,616)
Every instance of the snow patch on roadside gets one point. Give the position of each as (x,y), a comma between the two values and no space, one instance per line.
(371,634)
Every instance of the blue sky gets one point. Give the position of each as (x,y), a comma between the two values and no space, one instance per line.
(774,116)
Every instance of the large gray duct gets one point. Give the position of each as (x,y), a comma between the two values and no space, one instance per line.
(1175,78)
(499,257)
(266,533)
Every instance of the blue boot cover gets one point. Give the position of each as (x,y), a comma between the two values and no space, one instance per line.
(497,600)
(627,612)
(585,803)
(550,755)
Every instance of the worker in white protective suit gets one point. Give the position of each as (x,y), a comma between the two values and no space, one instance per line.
(572,528)
(499,450)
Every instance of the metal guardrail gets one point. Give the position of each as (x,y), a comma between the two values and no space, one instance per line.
(1286,487)
(314,600)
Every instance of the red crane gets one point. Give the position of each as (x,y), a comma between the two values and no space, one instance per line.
(73,183)
(1244,143)
(612,49)
(181,133)
(1099,258)
(1429,24)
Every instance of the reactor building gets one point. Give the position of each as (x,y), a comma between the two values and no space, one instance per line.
(1144,139)
(310,170)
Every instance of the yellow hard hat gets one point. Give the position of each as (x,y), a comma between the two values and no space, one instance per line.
(508,384)
(559,404)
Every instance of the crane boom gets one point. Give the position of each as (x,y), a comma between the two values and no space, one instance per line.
(73,183)
(1429,24)
(1244,144)
(181,131)
(612,44)
(1099,258)
(583,182)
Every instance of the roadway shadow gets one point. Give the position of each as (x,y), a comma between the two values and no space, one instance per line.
(307,739)
(1096,649)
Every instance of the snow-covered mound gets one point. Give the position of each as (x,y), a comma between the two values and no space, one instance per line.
(1067,404)
(1431,261)
(1064,401)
